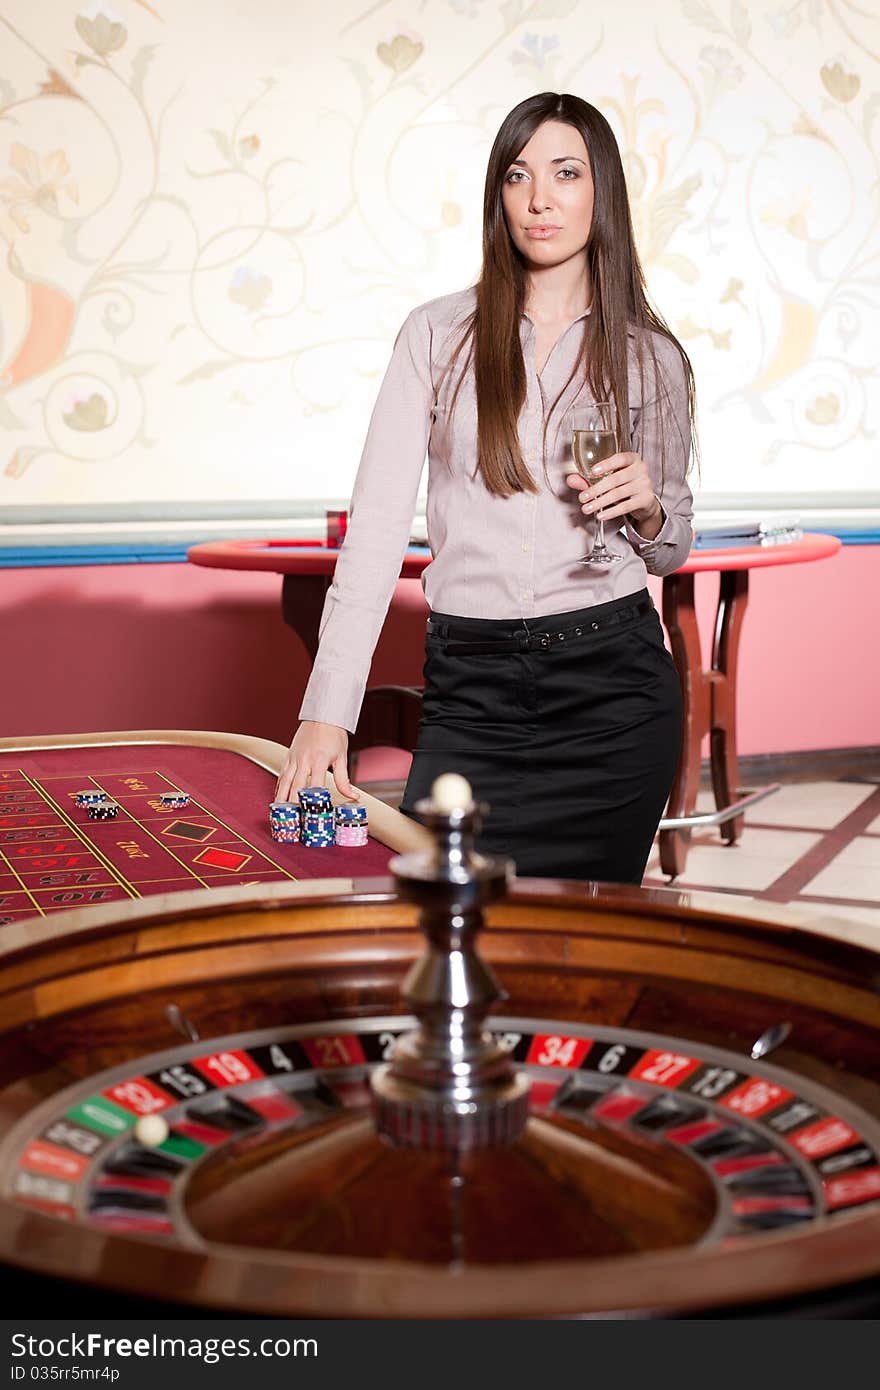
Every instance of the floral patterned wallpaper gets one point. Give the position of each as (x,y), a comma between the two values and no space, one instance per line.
(215,214)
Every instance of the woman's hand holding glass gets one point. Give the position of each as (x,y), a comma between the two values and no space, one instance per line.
(619,486)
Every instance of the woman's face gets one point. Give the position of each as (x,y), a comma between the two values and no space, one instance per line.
(548,196)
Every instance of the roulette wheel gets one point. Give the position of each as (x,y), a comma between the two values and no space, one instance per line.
(448,1093)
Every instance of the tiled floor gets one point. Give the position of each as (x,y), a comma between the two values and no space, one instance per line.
(816,844)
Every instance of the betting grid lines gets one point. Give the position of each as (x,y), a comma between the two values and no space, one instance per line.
(52,857)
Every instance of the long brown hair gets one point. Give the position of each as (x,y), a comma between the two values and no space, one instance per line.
(620,304)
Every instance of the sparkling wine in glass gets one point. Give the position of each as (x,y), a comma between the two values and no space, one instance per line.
(594,438)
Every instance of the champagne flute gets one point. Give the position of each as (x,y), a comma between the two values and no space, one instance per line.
(594,438)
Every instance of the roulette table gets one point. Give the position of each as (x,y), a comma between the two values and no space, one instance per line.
(53,856)
(444,1092)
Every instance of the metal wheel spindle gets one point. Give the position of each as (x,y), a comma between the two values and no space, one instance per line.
(449,1084)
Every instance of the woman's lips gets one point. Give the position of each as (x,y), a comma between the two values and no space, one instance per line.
(542,232)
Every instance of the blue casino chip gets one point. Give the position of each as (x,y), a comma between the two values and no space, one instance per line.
(90,798)
(315,799)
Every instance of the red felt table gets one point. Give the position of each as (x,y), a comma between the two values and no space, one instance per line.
(53,857)
(709,691)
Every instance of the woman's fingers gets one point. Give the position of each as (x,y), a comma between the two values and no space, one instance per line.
(340,777)
(296,776)
(609,497)
(620,503)
(607,513)
(618,491)
(307,775)
(285,777)
(314,750)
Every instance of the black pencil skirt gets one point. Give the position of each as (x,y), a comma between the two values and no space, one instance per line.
(569,727)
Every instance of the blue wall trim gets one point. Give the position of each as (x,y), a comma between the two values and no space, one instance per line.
(43,556)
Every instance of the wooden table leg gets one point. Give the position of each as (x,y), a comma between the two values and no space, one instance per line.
(680,619)
(302,603)
(733,599)
(709,706)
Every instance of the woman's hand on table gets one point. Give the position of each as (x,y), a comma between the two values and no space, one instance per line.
(618,486)
(315,749)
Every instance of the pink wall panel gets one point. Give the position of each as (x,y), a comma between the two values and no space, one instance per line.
(809,668)
(176,646)
(146,646)
(810,655)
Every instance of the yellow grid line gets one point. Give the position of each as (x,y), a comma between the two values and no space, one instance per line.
(44,810)
(16,874)
(58,776)
(205,812)
(102,883)
(39,840)
(180,879)
(60,830)
(136,822)
(92,848)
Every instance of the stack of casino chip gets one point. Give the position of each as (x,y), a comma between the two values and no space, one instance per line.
(92,797)
(316,818)
(173,801)
(351,826)
(103,810)
(318,829)
(316,801)
(284,822)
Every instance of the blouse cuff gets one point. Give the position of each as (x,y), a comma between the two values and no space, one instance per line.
(642,544)
(333,697)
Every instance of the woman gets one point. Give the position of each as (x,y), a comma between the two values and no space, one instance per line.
(547,683)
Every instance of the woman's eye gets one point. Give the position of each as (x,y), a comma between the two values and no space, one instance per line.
(517,175)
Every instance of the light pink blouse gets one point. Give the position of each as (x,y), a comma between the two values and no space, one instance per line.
(492,557)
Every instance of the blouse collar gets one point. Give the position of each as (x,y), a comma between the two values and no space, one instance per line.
(582,315)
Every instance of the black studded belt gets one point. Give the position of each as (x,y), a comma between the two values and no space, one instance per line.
(463,639)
